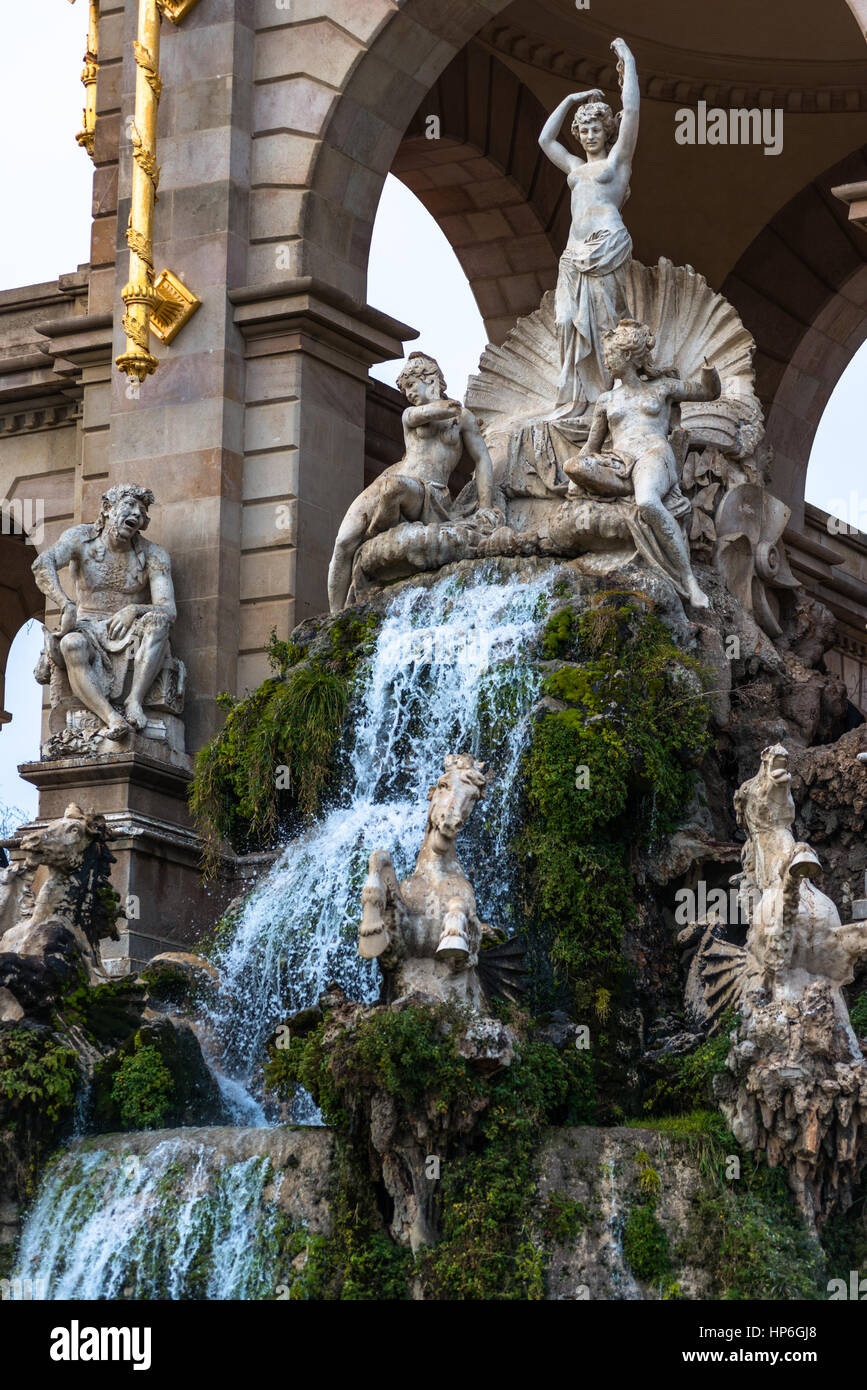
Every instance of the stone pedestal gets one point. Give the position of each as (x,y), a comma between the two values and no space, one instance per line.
(157,876)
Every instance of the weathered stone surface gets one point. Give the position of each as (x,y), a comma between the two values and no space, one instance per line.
(425,931)
(302,1158)
(797,1083)
(600,1169)
(112,645)
(178,976)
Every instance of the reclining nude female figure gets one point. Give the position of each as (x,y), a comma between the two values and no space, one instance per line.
(640,413)
(436,432)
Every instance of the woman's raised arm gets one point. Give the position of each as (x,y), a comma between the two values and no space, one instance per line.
(624,146)
(548,141)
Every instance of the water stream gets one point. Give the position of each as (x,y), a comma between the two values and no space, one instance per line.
(185,1218)
(445,676)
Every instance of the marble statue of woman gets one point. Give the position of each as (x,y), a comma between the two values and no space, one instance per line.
(590,296)
(640,414)
(436,432)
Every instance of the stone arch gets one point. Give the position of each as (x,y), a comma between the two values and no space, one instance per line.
(801,289)
(20,600)
(498,200)
(859,10)
(385,63)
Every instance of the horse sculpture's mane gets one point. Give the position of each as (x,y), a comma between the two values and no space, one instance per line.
(469,771)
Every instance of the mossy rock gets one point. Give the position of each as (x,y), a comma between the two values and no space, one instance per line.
(173,1081)
(272,764)
(40,1082)
(180,979)
(106,1013)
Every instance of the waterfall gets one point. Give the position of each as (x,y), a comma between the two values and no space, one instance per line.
(183,1214)
(445,676)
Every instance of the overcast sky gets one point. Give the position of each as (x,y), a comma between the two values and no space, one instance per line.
(46,180)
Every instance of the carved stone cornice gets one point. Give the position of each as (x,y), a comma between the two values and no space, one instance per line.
(48,417)
(308,307)
(668,79)
(80,341)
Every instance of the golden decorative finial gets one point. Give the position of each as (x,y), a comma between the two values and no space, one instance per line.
(165,305)
(89,75)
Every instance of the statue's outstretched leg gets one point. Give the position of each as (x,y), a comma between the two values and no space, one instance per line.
(650,479)
(380,507)
(453,944)
(400,499)
(598,474)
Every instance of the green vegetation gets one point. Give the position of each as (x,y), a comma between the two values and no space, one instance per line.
(143,1089)
(563,1218)
(858,1015)
(747,1233)
(358,1261)
(845,1238)
(486,1132)
(36,1070)
(609,774)
(686,1084)
(291,722)
(104,1012)
(487,1249)
(645,1243)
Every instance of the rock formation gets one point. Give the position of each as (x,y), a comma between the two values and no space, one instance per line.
(796,1086)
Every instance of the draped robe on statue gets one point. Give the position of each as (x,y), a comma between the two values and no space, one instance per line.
(590,298)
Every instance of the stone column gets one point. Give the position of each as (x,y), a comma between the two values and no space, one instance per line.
(308,348)
(251,431)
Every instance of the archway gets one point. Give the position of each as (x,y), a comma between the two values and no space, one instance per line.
(801,289)
(20,603)
(501,203)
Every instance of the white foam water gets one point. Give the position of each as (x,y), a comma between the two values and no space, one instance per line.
(184,1219)
(174,1215)
(446,676)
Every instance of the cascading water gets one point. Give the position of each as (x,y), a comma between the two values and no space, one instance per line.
(192,1214)
(446,675)
(450,672)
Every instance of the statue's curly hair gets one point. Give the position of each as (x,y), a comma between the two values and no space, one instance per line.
(638,338)
(117,494)
(420,367)
(600,109)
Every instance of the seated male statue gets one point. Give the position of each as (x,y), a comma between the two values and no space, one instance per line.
(121,615)
(436,431)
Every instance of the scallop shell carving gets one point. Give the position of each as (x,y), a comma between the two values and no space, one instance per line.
(692,325)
